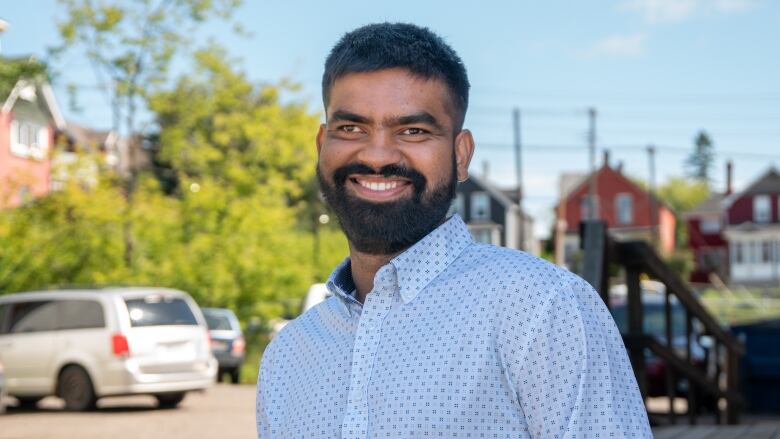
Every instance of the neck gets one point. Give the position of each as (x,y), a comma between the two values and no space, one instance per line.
(364,267)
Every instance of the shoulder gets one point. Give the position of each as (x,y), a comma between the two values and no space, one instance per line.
(518,269)
(307,326)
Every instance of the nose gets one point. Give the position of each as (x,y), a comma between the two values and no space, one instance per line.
(379,151)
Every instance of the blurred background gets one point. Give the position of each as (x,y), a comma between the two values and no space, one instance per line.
(171,143)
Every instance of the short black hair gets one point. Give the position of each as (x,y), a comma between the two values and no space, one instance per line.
(383,46)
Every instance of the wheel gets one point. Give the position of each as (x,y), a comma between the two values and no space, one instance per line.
(220,373)
(169,400)
(235,374)
(28,402)
(76,389)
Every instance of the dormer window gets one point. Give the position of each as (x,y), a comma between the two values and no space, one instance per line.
(624,206)
(762,211)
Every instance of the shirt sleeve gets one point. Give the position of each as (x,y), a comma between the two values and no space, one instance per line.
(262,407)
(570,370)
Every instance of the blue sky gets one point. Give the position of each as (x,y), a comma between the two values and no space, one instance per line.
(657,71)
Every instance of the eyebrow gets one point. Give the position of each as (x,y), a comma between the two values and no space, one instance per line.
(422,117)
(346,116)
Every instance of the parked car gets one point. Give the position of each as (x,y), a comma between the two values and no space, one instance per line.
(227,341)
(82,345)
(654,324)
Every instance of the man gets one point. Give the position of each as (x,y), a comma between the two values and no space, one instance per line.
(428,334)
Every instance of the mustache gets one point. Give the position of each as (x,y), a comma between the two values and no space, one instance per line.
(418,180)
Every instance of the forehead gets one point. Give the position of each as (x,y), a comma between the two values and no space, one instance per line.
(390,92)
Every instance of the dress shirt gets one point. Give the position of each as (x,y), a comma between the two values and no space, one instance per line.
(455,340)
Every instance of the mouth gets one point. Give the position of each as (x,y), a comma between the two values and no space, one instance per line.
(379,188)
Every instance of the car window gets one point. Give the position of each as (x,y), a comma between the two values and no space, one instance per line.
(218,322)
(3,311)
(33,317)
(81,314)
(654,319)
(159,310)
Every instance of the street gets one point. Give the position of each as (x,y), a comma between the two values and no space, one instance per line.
(224,411)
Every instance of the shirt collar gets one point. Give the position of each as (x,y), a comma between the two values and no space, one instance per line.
(417,266)
(430,256)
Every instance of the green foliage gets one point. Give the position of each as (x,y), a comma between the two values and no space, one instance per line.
(682,195)
(701,160)
(11,70)
(130,44)
(236,229)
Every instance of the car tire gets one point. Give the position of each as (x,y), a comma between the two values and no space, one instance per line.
(169,400)
(75,387)
(235,375)
(28,402)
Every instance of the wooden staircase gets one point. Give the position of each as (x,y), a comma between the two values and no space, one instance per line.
(712,389)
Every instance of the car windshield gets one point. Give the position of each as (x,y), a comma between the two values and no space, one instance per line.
(217,322)
(159,310)
(653,321)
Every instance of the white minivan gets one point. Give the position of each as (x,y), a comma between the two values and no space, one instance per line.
(82,345)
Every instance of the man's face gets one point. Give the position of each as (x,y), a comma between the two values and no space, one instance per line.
(389,158)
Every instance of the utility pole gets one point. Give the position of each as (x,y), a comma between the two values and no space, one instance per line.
(593,205)
(653,204)
(519,172)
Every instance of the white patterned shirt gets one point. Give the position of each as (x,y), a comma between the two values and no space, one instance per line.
(455,340)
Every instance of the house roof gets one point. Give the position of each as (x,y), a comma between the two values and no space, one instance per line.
(497,194)
(585,179)
(768,183)
(89,138)
(713,204)
(24,77)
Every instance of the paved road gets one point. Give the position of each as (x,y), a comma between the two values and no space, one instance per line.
(224,412)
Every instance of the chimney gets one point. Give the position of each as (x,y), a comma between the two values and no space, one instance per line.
(606,157)
(729,177)
(620,167)
(485,170)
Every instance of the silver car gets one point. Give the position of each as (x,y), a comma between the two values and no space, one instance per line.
(82,345)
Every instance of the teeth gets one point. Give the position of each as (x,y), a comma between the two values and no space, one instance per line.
(374,186)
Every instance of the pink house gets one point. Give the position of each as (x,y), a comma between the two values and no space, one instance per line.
(29,120)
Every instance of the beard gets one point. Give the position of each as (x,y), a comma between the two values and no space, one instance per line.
(384,228)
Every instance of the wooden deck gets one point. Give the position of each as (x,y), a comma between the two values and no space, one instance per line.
(718,432)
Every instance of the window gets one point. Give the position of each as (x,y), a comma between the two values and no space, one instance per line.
(482,236)
(158,310)
(585,207)
(81,314)
(480,206)
(761,209)
(738,256)
(458,206)
(766,251)
(33,317)
(624,208)
(710,225)
(29,140)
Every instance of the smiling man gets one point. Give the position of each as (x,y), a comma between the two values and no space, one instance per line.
(428,334)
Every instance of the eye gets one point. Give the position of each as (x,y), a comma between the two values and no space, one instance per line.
(350,129)
(414,131)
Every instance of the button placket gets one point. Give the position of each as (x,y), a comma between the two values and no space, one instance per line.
(377,305)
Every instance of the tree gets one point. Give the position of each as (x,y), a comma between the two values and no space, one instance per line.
(130,45)
(701,160)
(682,195)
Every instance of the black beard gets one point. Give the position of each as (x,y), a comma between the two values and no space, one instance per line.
(388,227)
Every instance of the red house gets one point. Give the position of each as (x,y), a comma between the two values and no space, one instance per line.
(753,230)
(705,224)
(29,119)
(629,211)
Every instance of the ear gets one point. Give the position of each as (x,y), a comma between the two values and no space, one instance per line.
(464,150)
(320,137)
